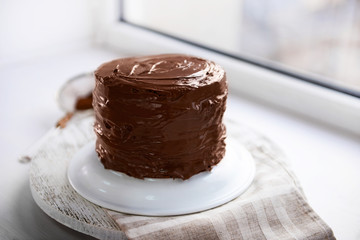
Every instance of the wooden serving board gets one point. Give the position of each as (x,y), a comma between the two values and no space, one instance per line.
(51,189)
(55,196)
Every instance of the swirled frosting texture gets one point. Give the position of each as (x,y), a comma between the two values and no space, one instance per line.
(160,116)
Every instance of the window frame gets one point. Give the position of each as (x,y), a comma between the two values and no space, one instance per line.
(329,104)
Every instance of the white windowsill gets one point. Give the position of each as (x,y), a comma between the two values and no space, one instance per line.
(326,160)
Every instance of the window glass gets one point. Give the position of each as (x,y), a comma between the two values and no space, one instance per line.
(317,38)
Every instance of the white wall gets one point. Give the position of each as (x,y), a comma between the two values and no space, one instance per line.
(32,28)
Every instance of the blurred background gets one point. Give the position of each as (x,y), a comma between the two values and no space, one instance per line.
(318,38)
(315,37)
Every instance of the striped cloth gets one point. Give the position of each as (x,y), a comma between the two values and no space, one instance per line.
(274,207)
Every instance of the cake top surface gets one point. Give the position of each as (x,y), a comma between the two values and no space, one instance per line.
(165,69)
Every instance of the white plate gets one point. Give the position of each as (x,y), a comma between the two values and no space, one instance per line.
(162,197)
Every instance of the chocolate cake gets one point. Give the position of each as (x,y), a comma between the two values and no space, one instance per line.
(160,116)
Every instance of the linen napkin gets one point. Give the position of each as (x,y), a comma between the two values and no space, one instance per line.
(273,207)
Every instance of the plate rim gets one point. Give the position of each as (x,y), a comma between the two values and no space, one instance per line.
(216,202)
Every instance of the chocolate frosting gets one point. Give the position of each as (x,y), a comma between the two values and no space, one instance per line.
(160,116)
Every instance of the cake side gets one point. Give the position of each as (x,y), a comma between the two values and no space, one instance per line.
(160,116)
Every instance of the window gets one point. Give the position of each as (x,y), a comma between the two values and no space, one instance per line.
(157,26)
(317,41)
